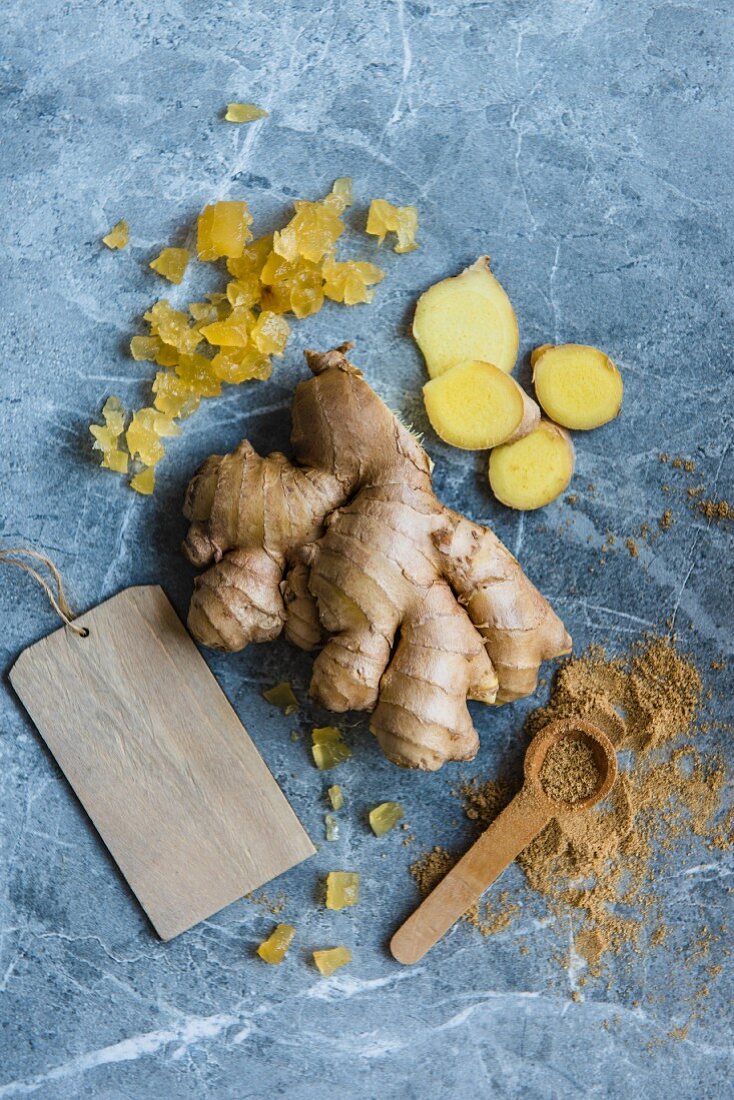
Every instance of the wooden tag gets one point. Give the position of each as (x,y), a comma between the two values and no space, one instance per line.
(159,760)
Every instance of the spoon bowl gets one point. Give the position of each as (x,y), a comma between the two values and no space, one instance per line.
(573,729)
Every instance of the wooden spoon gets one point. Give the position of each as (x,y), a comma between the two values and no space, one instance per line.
(519,823)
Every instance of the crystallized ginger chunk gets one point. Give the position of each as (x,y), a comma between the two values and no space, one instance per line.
(311,233)
(340,196)
(233,332)
(107,436)
(336,797)
(281,695)
(244,112)
(384,218)
(172,264)
(118,236)
(270,333)
(144,482)
(385,817)
(274,948)
(331,827)
(328,749)
(172,326)
(342,889)
(223,230)
(332,959)
(236,365)
(348,281)
(145,432)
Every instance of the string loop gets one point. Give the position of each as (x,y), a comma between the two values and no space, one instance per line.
(13,555)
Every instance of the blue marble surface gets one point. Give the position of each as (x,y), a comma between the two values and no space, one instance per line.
(584,144)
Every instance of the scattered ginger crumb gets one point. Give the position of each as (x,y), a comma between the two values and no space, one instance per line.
(666,520)
(716,509)
(632,547)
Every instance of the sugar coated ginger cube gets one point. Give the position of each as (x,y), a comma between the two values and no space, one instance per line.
(282,695)
(385,817)
(145,431)
(384,218)
(144,482)
(336,797)
(236,365)
(270,333)
(223,230)
(116,460)
(107,436)
(311,233)
(332,959)
(273,949)
(118,236)
(244,292)
(244,112)
(253,258)
(174,396)
(172,264)
(328,748)
(340,196)
(348,281)
(233,332)
(342,889)
(172,326)
(331,827)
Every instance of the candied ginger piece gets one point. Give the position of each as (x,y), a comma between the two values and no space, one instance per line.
(236,365)
(384,218)
(331,827)
(270,333)
(342,889)
(336,797)
(348,281)
(311,233)
(174,396)
(253,258)
(116,460)
(172,264)
(244,292)
(234,332)
(172,326)
(281,695)
(107,436)
(223,230)
(385,817)
(144,434)
(145,347)
(274,948)
(340,196)
(204,311)
(118,236)
(328,748)
(198,373)
(324,734)
(244,112)
(332,959)
(144,482)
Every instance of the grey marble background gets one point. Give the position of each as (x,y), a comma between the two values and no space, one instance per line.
(586,145)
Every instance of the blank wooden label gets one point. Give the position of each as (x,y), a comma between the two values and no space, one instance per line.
(159,760)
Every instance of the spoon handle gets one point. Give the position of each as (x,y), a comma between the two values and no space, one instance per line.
(509,833)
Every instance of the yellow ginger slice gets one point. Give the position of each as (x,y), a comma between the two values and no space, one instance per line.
(536,353)
(384,218)
(107,436)
(578,386)
(477,406)
(273,949)
(172,264)
(270,333)
(144,481)
(172,326)
(332,959)
(244,112)
(336,797)
(342,889)
(223,229)
(236,365)
(534,470)
(118,236)
(385,817)
(467,317)
(348,281)
(234,332)
(328,748)
(282,695)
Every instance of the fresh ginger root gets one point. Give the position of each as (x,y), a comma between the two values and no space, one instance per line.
(476,406)
(467,317)
(577,386)
(533,471)
(416,607)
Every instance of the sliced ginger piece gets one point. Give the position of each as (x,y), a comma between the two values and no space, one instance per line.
(536,353)
(467,317)
(332,959)
(273,949)
(244,112)
(342,889)
(578,386)
(172,264)
(534,470)
(118,236)
(477,406)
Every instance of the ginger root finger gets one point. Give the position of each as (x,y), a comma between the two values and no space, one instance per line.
(578,386)
(476,406)
(467,317)
(357,529)
(533,471)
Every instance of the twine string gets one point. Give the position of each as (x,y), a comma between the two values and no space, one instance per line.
(13,555)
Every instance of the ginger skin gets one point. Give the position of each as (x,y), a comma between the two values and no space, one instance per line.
(416,607)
